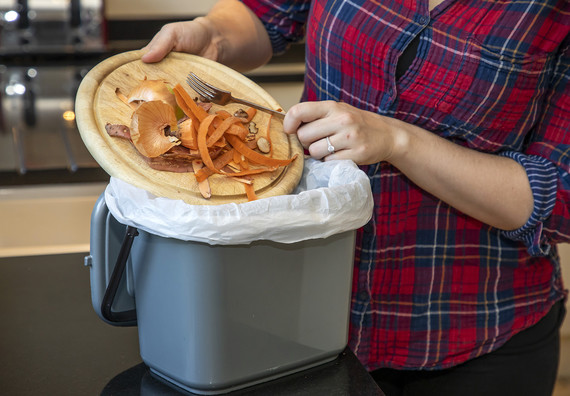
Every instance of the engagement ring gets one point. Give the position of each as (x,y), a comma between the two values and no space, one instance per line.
(330,147)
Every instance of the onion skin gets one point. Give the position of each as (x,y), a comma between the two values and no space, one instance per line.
(148,125)
(151,90)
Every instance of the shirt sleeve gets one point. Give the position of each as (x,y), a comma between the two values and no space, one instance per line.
(547,164)
(284,20)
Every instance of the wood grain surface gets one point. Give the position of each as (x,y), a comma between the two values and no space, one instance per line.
(97,104)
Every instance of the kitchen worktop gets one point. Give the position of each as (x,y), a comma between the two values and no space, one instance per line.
(53,343)
(343,377)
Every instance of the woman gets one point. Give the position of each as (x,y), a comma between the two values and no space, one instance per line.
(459,112)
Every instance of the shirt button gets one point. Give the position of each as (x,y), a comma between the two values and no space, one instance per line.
(423,20)
(363,296)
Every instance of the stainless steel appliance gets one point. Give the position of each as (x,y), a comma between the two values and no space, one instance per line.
(37,119)
(45,49)
(51,26)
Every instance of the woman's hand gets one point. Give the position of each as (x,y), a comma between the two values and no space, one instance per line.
(361,136)
(490,188)
(230,34)
(193,37)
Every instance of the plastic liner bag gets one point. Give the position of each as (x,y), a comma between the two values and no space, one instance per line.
(332,197)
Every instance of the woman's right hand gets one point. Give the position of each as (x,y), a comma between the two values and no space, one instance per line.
(193,37)
(230,34)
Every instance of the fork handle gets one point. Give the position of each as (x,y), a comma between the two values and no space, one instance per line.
(259,107)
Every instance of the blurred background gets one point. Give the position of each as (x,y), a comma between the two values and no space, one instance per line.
(48,180)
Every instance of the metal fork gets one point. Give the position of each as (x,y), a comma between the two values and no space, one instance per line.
(222,97)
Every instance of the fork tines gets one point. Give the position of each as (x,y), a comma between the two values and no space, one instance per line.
(201,87)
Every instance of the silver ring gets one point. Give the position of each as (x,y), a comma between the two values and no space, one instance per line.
(330,147)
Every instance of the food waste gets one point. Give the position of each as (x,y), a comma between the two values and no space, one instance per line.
(174,132)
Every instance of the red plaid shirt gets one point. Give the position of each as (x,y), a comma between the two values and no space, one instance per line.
(433,287)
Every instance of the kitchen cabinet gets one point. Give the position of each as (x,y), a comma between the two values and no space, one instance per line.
(46,219)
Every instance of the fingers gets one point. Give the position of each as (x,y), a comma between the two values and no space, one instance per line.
(327,148)
(160,45)
(315,126)
(321,139)
(336,130)
(185,36)
(155,54)
(304,113)
(309,120)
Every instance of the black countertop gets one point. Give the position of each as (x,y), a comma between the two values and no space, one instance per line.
(344,376)
(53,343)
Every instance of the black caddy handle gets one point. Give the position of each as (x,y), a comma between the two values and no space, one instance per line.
(125,318)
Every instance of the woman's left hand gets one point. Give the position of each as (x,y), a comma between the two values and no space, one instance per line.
(334,130)
(488,187)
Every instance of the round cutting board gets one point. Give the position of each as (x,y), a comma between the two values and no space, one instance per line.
(97,104)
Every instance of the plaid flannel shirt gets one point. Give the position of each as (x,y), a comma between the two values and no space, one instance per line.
(433,287)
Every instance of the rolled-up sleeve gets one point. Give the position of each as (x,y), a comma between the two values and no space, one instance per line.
(547,164)
(284,21)
(542,175)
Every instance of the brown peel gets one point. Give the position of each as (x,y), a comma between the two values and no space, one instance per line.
(149,125)
(151,90)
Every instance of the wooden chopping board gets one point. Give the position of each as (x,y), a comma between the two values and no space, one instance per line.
(97,104)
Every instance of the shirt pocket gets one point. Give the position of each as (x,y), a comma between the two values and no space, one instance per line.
(497,96)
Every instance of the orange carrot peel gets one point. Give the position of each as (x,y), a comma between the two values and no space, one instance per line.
(222,130)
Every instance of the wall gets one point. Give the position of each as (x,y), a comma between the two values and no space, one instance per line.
(565,257)
(564,371)
(152,9)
